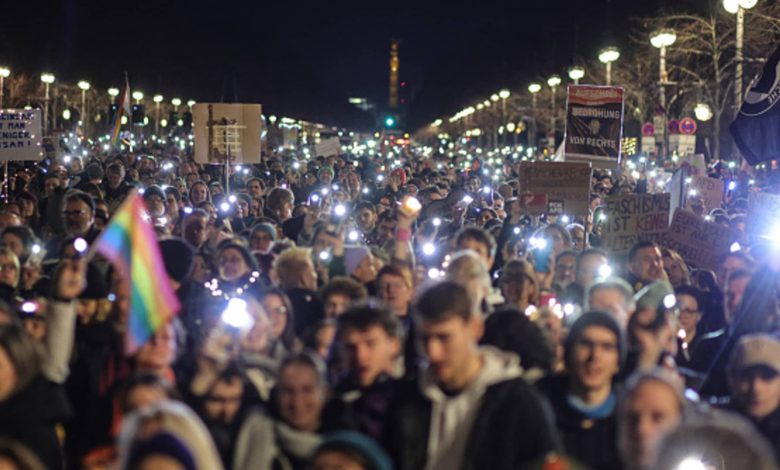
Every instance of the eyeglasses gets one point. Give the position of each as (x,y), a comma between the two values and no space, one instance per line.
(689,311)
(282,310)
(79,213)
(8,267)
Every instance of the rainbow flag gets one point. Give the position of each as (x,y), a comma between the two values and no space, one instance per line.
(130,244)
(122,109)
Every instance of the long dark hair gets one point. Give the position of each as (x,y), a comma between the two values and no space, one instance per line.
(288,335)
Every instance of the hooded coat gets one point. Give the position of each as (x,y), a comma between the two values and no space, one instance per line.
(497,422)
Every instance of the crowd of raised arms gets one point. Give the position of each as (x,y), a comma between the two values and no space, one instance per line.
(358,312)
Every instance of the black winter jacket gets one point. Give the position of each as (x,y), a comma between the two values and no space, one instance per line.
(513,427)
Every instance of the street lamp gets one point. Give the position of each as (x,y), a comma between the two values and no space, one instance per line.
(47,79)
(738,7)
(606,57)
(662,39)
(176,102)
(157,100)
(494,97)
(703,112)
(576,73)
(503,94)
(138,96)
(84,86)
(191,103)
(553,83)
(113,92)
(533,88)
(4,73)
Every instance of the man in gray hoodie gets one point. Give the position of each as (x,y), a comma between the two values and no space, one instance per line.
(470,409)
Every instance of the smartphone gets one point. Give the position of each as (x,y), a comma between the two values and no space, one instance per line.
(410,207)
(540,250)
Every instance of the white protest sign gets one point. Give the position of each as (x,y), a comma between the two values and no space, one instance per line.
(227,132)
(20,134)
(328,147)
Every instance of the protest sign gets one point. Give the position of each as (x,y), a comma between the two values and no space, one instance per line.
(699,242)
(564,183)
(634,218)
(594,125)
(20,135)
(706,190)
(534,204)
(328,147)
(763,214)
(227,133)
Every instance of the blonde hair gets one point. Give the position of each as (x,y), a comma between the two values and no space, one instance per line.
(5,251)
(468,269)
(289,264)
(176,419)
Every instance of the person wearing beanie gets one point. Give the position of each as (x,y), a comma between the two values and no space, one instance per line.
(160,449)
(357,262)
(652,329)
(754,377)
(350,449)
(325,175)
(154,197)
(584,399)
(238,273)
(652,406)
(262,238)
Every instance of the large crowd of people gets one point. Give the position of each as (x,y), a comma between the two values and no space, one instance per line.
(371,312)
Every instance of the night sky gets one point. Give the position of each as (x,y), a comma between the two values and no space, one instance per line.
(304,59)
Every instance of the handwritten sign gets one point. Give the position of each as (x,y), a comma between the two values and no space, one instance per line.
(706,190)
(227,133)
(20,134)
(564,183)
(634,218)
(328,147)
(699,242)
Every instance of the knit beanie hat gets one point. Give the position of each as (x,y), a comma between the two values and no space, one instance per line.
(653,295)
(265,227)
(353,255)
(587,320)
(350,442)
(178,257)
(248,258)
(325,169)
(162,444)
(94,171)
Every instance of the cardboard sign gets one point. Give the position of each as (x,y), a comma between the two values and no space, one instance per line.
(227,133)
(534,204)
(566,183)
(634,218)
(20,135)
(699,242)
(763,214)
(328,147)
(594,125)
(707,190)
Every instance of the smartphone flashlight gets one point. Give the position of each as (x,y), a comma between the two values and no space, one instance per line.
(236,315)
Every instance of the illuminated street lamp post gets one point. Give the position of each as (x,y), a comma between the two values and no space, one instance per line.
(661,40)
(84,86)
(4,73)
(138,96)
(553,83)
(606,57)
(533,88)
(576,73)
(47,79)
(504,94)
(176,102)
(738,8)
(157,100)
